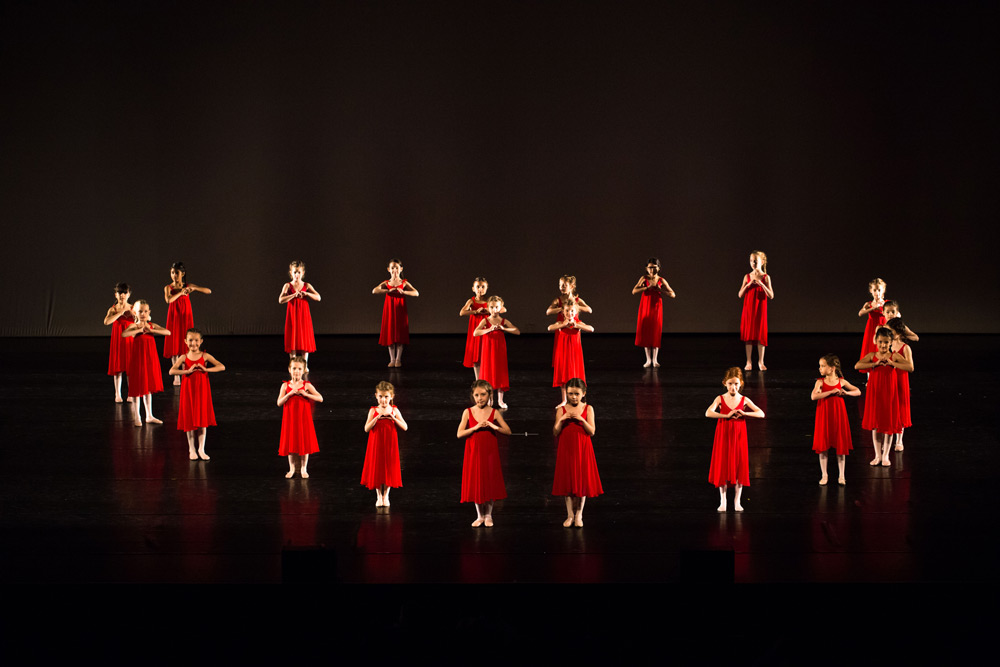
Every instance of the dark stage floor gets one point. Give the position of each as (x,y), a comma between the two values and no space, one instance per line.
(89,498)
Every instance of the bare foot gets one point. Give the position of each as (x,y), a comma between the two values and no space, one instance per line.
(875,461)
(656,365)
(305,475)
(153,420)
(568,522)
(488,521)
(392,364)
(748,367)
(204,457)
(886,462)
(737,506)
(177,380)
(129,399)
(898,447)
(378,501)
(477,523)
(137,422)
(288,475)
(503,406)
(578,521)
(385,501)
(398,364)
(762,367)
(823,480)
(721,507)
(647,364)
(118,399)
(842,481)
(193,455)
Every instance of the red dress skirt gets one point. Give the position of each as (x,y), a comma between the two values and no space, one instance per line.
(568,362)
(753,323)
(881,405)
(482,479)
(730,454)
(493,359)
(195,409)
(179,320)
(395,323)
(576,467)
(298,323)
(903,394)
(649,326)
(875,320)
(298,435)
(121,348)
(833,430)
(473,343)
(382,456)
(144,372)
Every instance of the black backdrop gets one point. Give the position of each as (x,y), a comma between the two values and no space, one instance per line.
(519,141)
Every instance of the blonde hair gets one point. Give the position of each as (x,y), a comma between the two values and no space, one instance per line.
(875,282)
(297,360)
(385,388)
(763,265)
(494,299)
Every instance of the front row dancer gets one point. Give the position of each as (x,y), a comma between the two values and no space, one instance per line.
(482,478)
(833,430)
(195,413)
(381,470)
(576,474)
(730,453)
(298,434)
(882,416)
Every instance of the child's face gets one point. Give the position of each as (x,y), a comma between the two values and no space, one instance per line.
(395,269)
(824,368)
(756,262)
(877,290)
(296,272)
(176,276)
(883,343)
(480,396)
(143,312)
(890,312)
(563,286)
(495,307)
(193,341)
(570,312)
(732,386)
(574,395)
(384,398)
(122,297)
(479,288)
(296,369)
(651,269)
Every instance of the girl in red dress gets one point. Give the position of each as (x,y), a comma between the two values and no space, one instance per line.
(298,435)
(144,365)
(179,315)
(493,358)
(477,310)
(395,331)
(832,431)
(482,479)
(881,405)
(755,290)
(568,361)
(567,292)
(299,338)
(876,317)
(196,413)
(576,468)
(649,326)
(900,334)
(730,455)
(119,317)
(381,470)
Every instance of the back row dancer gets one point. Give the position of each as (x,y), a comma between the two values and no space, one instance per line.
(395,331)
(755,290)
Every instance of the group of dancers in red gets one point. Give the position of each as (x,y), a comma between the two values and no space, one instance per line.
(885,356)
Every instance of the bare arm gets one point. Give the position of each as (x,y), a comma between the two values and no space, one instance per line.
(582,306)
(848,388)
(463,426)
(286,294)
(309,391)
(311,293)
(176,368)
(768,287)
(466,309)
(754,412)
(484,328)
(639,286)
(501,426)
(158,330)
(380,288)
(113,314)
(373,417)
(216,367)
(902,362)
(818,393)
(743,286)
(666,288)
(713,409)
(511,329)
(866,362)
(584,326)
(197,288)
(908,335)
(409,290)
(554,307)
(398,418)
(283,395)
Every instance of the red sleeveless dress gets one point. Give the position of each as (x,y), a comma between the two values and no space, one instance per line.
(875,320)
(144,372)
(881,405)
(576,467)
(555,338)
(473,344)
(753,323)
(121,348)
(493,359)
(730,453)
(833,430)
(903,393)
(568,360)
(298,434)
(482,479)
(649,326)
(382,456)
(195,409)
(179,320)
(395,323)
(298,323)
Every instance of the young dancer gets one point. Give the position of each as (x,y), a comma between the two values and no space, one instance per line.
(832,431)
(891,311)
(299,338)
(493,358)
(649,327)
(482,479)
(755,290)
(119,317)
(568,356)
(881,415)
(567,292)
(179,315)
(395,332)
(381,470)
(144,365)
(899,346)
(298,434)
(876,316)
(477,311)
(576,468)
(730,455)
(196,413)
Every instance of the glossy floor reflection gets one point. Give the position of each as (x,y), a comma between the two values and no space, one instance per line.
(87,497)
